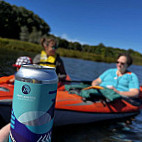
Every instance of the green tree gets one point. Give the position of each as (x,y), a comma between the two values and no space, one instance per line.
(35,36)
(77,46)
(86,48)
(63,43)
(13,18)
(24,35)
(100,49)
(8,25)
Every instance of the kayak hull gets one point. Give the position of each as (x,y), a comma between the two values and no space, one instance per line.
(66,117)
(73,109)
(63,117)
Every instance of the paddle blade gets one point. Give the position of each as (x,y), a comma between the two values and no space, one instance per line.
(93,87)
(78,81)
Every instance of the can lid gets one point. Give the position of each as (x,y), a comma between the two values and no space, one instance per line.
(37,74)
(35,66)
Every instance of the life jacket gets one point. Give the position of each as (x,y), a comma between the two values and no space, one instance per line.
(47,61)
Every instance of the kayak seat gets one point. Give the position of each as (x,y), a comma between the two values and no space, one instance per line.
(105,94)
(75,88)
(93,94)
(94,98)
(74,91)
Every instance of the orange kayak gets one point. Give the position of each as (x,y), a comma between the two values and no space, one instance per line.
(74,109)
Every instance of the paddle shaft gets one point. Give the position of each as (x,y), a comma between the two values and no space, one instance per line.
(78,81)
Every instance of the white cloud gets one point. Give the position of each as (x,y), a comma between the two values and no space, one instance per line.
(65,36)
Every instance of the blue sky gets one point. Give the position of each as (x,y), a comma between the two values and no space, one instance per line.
(115,23)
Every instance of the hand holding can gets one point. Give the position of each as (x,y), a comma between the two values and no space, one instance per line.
(33,105)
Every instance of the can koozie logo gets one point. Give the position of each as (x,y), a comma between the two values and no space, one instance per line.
(26,89)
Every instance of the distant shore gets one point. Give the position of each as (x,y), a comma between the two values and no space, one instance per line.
(21,46)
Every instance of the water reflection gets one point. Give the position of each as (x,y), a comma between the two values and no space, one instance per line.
(100,132)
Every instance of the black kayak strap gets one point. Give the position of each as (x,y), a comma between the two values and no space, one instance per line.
(133,101)
(46,63)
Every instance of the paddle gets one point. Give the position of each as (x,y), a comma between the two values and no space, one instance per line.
(93,87)
(78,81)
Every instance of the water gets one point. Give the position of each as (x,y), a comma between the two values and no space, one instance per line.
(79,69)
(100,132)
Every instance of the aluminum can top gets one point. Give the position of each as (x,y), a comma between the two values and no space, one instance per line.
(37,74)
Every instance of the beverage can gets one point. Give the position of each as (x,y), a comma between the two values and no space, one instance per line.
(33,104)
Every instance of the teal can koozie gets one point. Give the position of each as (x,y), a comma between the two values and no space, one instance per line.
(33,104)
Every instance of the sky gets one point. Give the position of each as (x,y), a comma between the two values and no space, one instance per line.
(115,23)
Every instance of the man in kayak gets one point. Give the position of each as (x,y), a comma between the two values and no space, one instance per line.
(48,57)
(120,79)
(20,61)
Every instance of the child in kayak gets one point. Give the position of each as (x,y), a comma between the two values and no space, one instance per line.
(20,61)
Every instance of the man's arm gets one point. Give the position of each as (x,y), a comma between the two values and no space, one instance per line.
(96,82)
(130,93)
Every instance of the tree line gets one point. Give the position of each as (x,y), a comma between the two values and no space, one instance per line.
(22,24)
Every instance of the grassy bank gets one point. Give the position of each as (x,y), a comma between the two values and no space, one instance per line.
(26,48)
(93,57)
(84,55)
(18,45)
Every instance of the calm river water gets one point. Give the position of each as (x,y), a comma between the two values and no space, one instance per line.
(100,132)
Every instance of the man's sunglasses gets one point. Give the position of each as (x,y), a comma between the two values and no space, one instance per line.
(120,63)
